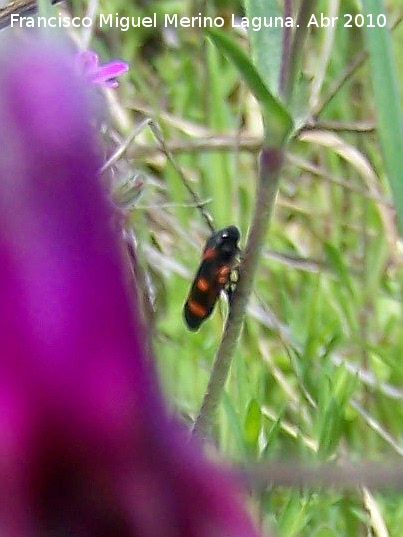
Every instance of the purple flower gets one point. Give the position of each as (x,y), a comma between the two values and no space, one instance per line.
(104,75)
(86,446)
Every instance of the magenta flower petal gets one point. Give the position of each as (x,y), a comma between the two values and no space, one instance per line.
(86,447)
(105,75)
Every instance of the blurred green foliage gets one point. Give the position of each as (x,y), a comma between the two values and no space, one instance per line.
(320,359)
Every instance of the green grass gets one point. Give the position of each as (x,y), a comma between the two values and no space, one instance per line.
(318,371)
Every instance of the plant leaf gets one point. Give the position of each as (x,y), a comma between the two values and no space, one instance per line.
(266,43)
(277,120)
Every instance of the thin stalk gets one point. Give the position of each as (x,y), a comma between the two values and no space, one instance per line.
(339,82)
(156,130)
(88,31)
(324,58)
(358,60)
(271,162)
(286,46)
(386,475)
(306,9)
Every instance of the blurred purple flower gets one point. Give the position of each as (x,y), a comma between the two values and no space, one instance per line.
(104,75)
(86,446)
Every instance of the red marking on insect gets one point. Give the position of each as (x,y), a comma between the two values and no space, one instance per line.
(203,285)
(218,259)
(195,308)
(209,253)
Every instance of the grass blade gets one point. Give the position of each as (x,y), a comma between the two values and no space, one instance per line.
(386,96)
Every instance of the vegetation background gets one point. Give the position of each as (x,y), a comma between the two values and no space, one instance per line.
(317,375)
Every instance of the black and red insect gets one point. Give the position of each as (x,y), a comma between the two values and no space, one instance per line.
(218,260)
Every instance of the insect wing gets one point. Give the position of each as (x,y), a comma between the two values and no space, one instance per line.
(203,294)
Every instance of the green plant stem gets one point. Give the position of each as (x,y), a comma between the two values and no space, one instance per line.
(271,162)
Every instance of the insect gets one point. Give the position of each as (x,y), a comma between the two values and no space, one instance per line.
(213,276)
